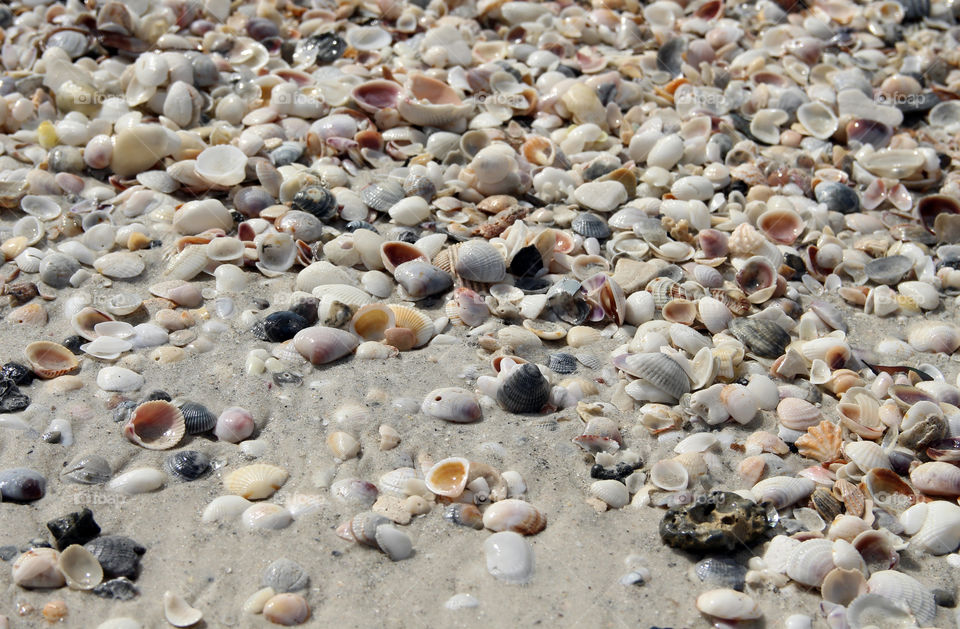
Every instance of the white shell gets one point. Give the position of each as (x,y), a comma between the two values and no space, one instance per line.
(266,516)
(867,455)
(509,557)
(138,481)
(120,265)
(939,532)
(224,508)
(452,404)
(612,492)
(80,568)
(728,604)
(222,165)
(669,475)
(178,612)
(901,587)
(783,491)
(811,561)
(119,379)
(937,478)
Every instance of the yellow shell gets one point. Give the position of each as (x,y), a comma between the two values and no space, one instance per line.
(822,442)
(255,482)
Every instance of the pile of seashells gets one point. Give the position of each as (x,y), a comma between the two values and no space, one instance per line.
(716,242)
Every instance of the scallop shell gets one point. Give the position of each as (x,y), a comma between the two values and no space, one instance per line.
(811,562)
(80,568)
(448,477)
(821,442)
(155,425)
(514,515)
(255,482)
(50,360)
(783,491)
(416,321)
(901,587)
(867,455)
(120,265)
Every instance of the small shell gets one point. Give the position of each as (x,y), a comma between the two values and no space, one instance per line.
(370,322)
(783,491)
(452,404)
(178,612)
(524,389)
(322,345)
(479,261)
(448,477)
(155,425)
(728,604)
(940,532)
(658,369)
(50,360)
(224,508)
(867,455)
(89,470)
(763,337)
(38,568)
(514,515)
(900,587)
(669,475)
(138,481)
(255,482)
(842,586)
(197,419)
(509,557)
(266,516)
(343,445)
(612,492)
(811,562)
(797,414)
(286,609)
(120,265)
(821,442)
(80,568)
(416,321)
(937,478)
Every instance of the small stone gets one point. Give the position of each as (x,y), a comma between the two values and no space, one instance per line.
(74,528)
(723,521)
(392,507)
(945,598)
(121,589)
(8,552)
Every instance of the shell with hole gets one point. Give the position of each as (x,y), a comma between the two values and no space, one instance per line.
(452,404)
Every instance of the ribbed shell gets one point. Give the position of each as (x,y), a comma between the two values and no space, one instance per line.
(664,290)
(763,337)
(187,465)
(415,320)
(119,556)
(524,390)
(562,363)
(658,369)
(898,586)
(590,226)
(381,196)
(478,261)
(783,491)
(255,482)
(197,418)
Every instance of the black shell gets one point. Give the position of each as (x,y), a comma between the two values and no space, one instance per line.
(283,325)
(527,262)
(21,484)
(353,226)
(762,337)
(315,200)
(73,344)
(524,390)
(11,398)
(121,589)
(158,395)
(306,307)
(20,374)
(118,555)
(590,226)
(197,418)
(78,527)
(188,465)
(562,363)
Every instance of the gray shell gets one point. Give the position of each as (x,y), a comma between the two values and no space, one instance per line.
(658,369)
(187,465)
(197,418)
(21,484)
(721,572)
(889,270)
(315,200)
(419,186)
(524,390)
(89,470)
(590,226)
(763,337)
(56,269)
(421,279)
(118,555)
(838,197)
(479,261)
(562,363)
(284,575)
(381,196)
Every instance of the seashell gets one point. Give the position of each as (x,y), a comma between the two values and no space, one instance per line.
(852,498)
(872,610)
(234,425)
(138,481)
(178,612)
(21,484)
(343,445)
(866,455)
(523,390)
(739,403)
(56,269)
(821,442)
(899,587)
(448,477)
(155,425)
(354,491)
(50,360)
(669,475)
(370,322)
(376,95)
(38,568)
(728,604)
(266,516)
(452,404)
(286,609)
(763,337)
(936,478)
(225,508)
(88,470)
(222,165)
(934,337)
(940,532)
(225,250)
(197,419)
(362,528)
(421,279)
(417,322)
(659,370)
(86,320)
(842,586)
(315,200)
(509,557)
(80,568)
(797,414)
(514,515)
(28,314)
(811,562)
(255,482)
(276,252)
(782,491)
(321,345)
(187,465)
(714,314)
(432,103)
(612,492)
(826,504)
(679,311)
(120,265)
(117,555)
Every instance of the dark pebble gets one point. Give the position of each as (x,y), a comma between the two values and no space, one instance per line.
(282,326)
(618,472)
(282,378)
(8,552)
(158,395)
(78,527)
(121,589)
(123,410)
(73,344)
(20,374)
(945,597)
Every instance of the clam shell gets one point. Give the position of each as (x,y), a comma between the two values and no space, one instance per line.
(370,322)
(223,508)
(842,586)
(50,360)
(197,418)
(118,556)
(940,532)
(479,261)
(669,475)
(255,482)
(783,491)
(138,481)
(80,568)
(421,279)
(797,414)
(658,369)
(266,516)
(38,568)
(322,345)
(514,515)
(523,390)
(120,265)
(155,425)
(509,557)
(763,337)
(89,470)
(811,562)
(448,477)
(728,604)
(612,492)
(937,478)
(452,404)
(867,455)
(901,587)
(821,442)
(177,611)
(286,609)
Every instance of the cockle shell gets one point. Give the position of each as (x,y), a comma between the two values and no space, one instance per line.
(50,360)
(514,515)
(728,604)
(937,478)
(811,562)
(155,425)
(901,587)
(255,482)
(783,491)
(370,322)
(939,533)
(448,477)
(120,265)
(452,404)
(657,369)
(523,389)
(797,414)
(416,321)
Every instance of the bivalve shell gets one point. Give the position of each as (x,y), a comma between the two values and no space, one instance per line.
(448,477)
(80,568)
(452,404)
(514,515)
(155,425)
(728,604)
(50,360)
(255,482)
(783,491)
(937,478)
